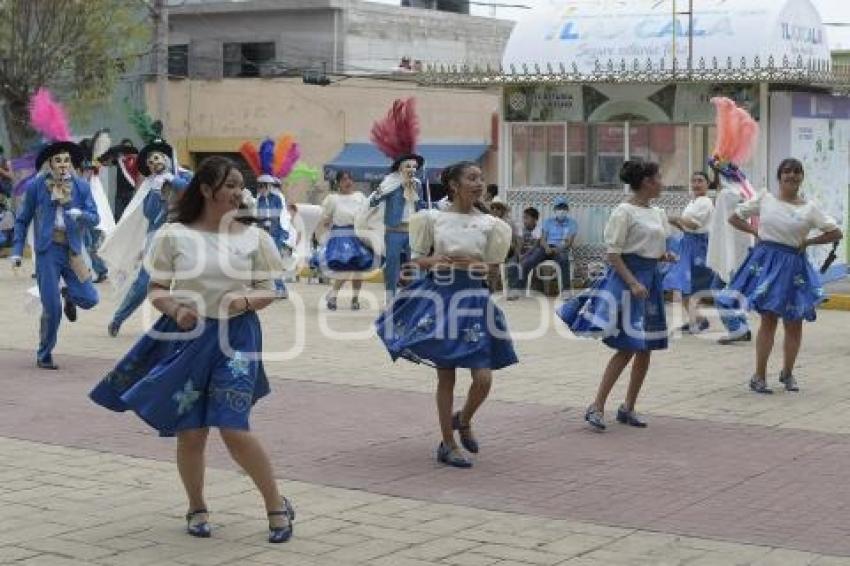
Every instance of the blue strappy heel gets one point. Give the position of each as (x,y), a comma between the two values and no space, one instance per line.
(278,535)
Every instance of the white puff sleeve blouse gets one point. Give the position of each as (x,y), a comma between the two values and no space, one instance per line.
(342,210)
(200,267)
(784,222)
(699,212)
(637,230)
(477,235)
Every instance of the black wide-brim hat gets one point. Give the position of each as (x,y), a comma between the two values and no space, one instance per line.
(55,148)
(117,151)
(156,145)
(420,161)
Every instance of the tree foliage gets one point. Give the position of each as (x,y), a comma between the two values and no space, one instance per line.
(77,48)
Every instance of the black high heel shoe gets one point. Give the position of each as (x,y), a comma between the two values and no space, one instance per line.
(199,530)
(278,535)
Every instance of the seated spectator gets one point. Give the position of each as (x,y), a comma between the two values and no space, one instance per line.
(527,242)
(558,236)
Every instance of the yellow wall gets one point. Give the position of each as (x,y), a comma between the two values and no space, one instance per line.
(208,116)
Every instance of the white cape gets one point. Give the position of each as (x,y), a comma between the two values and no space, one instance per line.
(302,228)
(369,224)
(123,248)
(107,219)
(727,246)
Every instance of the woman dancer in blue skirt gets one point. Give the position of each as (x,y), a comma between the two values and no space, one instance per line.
(345,257)
(446,318)
(626,307)
(199,366)
(689,274)
(777,278)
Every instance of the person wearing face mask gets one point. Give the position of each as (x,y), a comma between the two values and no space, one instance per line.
(447,318)
(62,206)
(689,274)
(123,250)
(400,192)
(625,307)
(200,366)
(777,278)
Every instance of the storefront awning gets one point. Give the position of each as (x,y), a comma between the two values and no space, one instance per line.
(366,163)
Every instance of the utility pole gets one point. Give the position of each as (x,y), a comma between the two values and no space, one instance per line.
(160,16)
(690,36)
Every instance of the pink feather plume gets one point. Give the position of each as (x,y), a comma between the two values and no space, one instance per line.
(48,117)
(398,132)
(289,162)
(737,132)
(748,133)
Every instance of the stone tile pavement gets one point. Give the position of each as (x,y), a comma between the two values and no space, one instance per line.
(721,477)
(65,506)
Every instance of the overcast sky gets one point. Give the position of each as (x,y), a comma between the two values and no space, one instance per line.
(830,10)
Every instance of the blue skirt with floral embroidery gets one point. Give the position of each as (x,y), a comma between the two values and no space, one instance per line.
(345,252)
(778,279)
(689,274)
(448,320)
(177,380)
(608,310)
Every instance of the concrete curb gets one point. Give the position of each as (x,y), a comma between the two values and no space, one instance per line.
(837,302)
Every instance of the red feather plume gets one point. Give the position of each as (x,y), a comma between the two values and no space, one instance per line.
(252,156)
(397,133)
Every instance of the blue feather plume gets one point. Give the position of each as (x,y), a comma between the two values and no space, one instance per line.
(267,156)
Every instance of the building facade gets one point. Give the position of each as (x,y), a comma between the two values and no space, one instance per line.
(585,87)
(240,71)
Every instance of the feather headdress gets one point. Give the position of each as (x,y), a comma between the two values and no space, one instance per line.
(49,118)
(737,132)
(397,133)
(146,127)
(274,159)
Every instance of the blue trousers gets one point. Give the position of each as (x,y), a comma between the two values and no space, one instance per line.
(50,265)
(733,319)
(133,299)
(397,253)
(534,258)
(93,239)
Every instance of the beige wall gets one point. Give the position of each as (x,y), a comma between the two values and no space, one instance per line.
(219,115)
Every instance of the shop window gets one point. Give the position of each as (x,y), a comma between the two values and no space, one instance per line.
(537,155)
(665,144)
(577,154)
(247,59)
(607,145)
